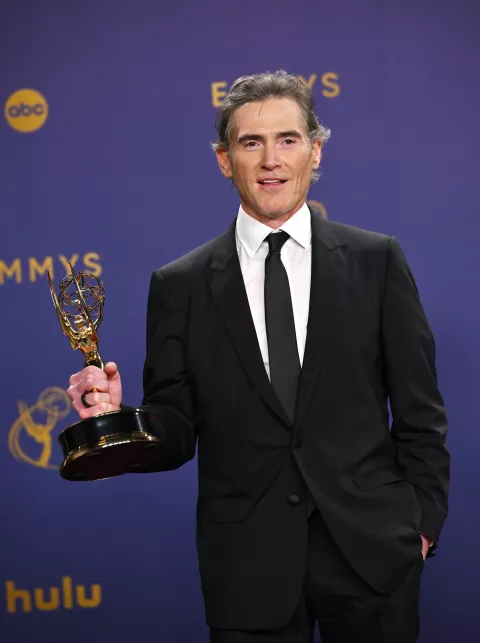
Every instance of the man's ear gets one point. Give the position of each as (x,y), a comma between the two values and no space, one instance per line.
(224,162)
(317,153)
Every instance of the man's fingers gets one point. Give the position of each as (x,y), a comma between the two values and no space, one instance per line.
(100,386)
(95,410)
(97,398)
(87,384)
(110,369)
(91,371)
(94,399)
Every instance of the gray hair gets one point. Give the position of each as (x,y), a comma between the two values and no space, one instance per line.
(260,87)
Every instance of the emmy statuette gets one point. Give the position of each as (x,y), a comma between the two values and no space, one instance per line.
(109,444)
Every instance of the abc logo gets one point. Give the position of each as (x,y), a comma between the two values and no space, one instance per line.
(26,110)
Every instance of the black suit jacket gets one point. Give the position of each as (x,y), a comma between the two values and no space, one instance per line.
(205,386)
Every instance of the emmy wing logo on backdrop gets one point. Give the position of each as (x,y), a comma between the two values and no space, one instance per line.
(26,110)
(31,435)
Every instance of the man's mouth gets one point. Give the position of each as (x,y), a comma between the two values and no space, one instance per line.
(271,184)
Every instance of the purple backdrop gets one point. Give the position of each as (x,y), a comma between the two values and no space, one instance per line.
(117,172)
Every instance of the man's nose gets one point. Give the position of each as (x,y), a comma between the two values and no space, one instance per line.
(271,159)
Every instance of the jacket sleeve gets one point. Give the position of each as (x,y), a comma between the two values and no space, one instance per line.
(419,422)
(166,391)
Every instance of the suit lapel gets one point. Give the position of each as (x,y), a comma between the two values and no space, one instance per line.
(327,276)
(228,291)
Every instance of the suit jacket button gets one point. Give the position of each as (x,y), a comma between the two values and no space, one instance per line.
(293,499)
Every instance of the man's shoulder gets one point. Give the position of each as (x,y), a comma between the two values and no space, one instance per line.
(197,259)
(335,233)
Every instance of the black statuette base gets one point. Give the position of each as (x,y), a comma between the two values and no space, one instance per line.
(109,445)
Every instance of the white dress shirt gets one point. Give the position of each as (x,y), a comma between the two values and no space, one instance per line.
(252,249)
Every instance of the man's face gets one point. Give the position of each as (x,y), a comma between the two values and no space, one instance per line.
(270,159)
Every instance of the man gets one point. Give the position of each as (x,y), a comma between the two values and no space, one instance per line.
(276,348)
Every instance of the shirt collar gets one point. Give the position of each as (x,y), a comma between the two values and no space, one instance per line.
(251,233)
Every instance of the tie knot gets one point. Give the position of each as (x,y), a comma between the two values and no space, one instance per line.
(276,240)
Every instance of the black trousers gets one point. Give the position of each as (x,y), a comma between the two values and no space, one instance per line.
(343,606)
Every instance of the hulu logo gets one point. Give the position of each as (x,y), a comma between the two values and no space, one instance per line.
(66,597)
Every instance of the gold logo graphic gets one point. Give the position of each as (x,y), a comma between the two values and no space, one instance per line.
(66,597)
(31,268)
(318,208)
(26,110)
(329,87)
(30,437)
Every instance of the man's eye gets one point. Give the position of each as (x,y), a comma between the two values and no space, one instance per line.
(250,144)
(289,141)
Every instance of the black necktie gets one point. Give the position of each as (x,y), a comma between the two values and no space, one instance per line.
(282,342)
